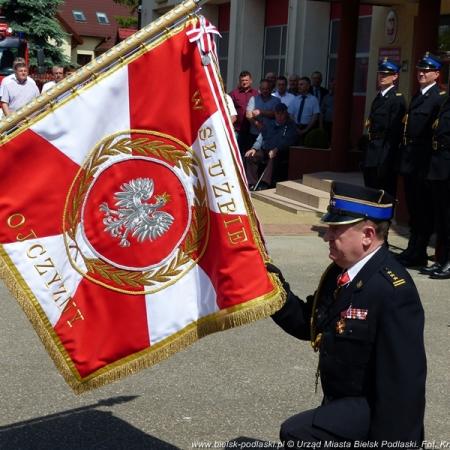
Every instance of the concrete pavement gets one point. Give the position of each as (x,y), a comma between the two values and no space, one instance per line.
(237,385)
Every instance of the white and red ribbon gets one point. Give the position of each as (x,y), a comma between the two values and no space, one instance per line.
(203,33)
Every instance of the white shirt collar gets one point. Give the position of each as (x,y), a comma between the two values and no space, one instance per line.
(383,93)
(354,270)
(17,81)
(427,88)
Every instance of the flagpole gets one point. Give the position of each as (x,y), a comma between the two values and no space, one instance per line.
(90,70)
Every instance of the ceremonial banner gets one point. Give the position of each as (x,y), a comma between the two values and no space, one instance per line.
(126,228)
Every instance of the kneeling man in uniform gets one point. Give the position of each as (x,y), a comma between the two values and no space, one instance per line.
(366,322)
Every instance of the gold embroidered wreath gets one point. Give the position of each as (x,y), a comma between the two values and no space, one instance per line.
(145,147)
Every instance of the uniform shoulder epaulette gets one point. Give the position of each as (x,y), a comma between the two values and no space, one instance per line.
(393,278)
(442,93)
(399,94)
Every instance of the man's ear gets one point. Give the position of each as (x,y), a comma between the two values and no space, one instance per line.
(369,233)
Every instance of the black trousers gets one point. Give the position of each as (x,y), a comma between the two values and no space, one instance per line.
(299,429)
(419,204)
(343,420)
(245,141)
(381,177)
(440,190)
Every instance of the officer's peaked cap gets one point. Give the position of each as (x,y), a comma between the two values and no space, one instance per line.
(350,203)
(388,66)
(429,62)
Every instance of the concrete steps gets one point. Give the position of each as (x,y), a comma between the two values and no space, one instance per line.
(323,180)
(271,197)
(308,197)
(303,193)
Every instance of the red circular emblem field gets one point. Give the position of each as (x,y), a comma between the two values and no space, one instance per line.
(144,254)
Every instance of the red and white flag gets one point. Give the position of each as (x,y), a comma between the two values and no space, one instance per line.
(126,228)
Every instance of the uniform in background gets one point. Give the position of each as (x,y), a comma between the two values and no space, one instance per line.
(415,161)
(439,177)
(385,127)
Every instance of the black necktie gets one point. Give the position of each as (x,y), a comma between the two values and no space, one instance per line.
(300,109)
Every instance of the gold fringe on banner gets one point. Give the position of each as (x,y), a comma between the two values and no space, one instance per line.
(238,315)
(243,314)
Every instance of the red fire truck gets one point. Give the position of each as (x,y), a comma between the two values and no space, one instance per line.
(11,47)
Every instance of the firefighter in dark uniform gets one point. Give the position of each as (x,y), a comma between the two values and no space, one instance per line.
(385,128)
(439,176)
(415,160)
(366,321)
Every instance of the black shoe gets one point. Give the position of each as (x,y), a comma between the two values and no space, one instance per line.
(429,270)
(413,261)
(441,274)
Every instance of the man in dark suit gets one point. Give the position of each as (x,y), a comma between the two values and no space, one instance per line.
(316,87)
(385,126)
(271,150)
(415,160)
(366,321)
(439,177)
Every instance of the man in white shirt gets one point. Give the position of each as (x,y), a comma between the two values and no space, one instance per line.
(282,93)
(304,109)
(58,75)
(18,90)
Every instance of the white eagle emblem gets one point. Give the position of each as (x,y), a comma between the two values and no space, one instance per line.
(142,220)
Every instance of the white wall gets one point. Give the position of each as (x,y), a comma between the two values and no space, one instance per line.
(246,40)
(308,30)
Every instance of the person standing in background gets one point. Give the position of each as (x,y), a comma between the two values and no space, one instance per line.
(18,90)
(58,75)
(385,126)
(439,178)
(415,160)
(241,96)
(316,87)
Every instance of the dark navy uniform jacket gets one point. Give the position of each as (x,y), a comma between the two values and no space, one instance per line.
(422,113)
(385,129)
(440,155)
(275,135)
(372,368)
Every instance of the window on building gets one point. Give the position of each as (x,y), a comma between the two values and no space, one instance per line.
(222,51)
(275,49)
(79,16)
(362,53)
(223,23)
(83,59)
(102,18)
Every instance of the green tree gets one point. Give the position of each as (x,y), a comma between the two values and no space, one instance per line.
(37,20)
(128,21)
(132,4)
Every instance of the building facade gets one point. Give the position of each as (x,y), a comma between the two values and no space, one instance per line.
(91,27)
(301,36)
